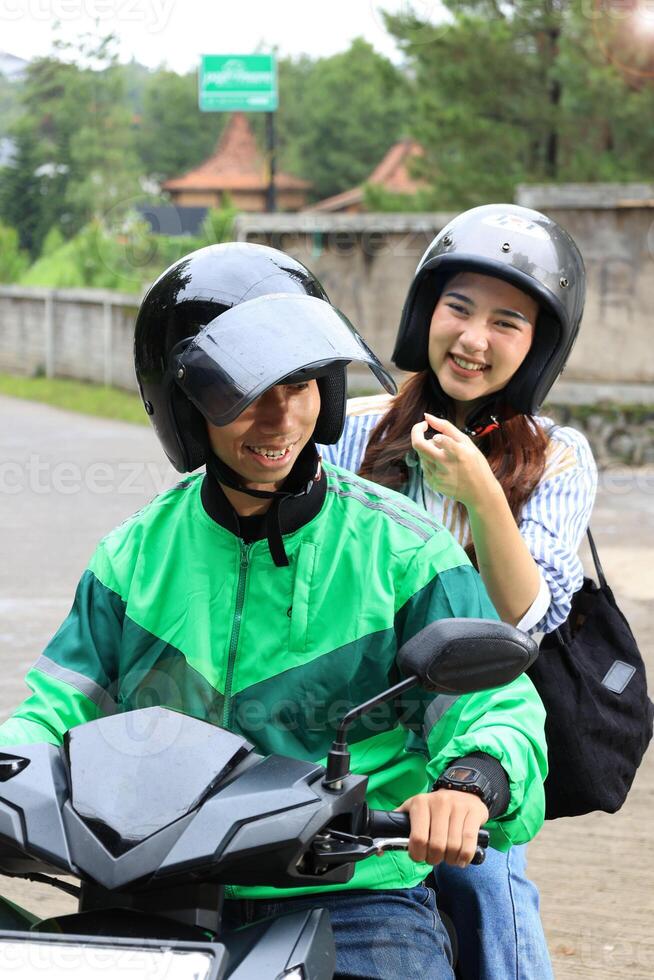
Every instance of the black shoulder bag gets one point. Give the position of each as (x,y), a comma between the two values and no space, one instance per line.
(591,678)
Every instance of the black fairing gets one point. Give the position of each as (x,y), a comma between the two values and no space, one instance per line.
(262,949)
(530,251)
(207,809)
(186,759)
(184,299)
(457,656)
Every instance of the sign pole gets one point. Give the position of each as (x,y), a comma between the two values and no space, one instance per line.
(271,195)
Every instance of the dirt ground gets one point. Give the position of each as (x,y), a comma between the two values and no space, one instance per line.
(65,480)
(596,873)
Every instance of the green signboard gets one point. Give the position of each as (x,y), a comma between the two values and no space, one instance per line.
(232,82)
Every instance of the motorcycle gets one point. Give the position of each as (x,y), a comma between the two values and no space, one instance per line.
(155,812)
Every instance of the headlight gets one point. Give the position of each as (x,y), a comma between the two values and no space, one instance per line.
(57,960)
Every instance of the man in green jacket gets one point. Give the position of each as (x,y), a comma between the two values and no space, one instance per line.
(271,594)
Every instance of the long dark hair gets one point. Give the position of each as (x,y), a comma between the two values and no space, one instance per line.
(515,452)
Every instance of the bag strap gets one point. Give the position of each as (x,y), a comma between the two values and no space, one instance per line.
(563,631)
(596,560)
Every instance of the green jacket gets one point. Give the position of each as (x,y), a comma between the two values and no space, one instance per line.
(176,610)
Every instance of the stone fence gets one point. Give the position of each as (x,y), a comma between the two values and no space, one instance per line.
(618,435)
(365,262)
(70,333)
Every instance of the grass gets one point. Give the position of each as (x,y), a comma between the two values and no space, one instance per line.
(77,396)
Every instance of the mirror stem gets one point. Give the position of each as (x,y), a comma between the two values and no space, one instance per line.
(338,759)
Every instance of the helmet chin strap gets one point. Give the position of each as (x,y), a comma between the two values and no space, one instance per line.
(306,470)
(487,417)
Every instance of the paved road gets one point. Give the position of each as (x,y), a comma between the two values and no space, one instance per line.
(66,479)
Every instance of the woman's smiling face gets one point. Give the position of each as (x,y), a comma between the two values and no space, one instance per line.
(481,331)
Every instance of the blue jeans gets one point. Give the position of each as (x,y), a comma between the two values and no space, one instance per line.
(494,910)
(380,935)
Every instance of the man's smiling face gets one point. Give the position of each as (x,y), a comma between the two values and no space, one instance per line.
(264,442)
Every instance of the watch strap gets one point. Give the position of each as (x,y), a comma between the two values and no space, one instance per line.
(499,794)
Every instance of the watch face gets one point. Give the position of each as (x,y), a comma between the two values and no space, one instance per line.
(462,774)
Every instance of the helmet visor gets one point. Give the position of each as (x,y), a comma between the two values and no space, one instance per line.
(263,342)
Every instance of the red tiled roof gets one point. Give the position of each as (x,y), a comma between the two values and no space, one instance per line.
(338,202)
(236,164)
(391,173)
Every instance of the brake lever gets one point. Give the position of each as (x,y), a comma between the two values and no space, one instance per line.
(338,847)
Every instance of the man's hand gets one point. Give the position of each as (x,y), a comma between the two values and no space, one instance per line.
(444,826)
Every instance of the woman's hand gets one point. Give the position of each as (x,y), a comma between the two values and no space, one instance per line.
(444,826)
(452,464)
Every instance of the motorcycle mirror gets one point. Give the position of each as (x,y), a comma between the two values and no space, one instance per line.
(450,656)
(457,656)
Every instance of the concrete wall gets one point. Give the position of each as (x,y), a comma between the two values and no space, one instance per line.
(366,262)
(613,225)
(75,333)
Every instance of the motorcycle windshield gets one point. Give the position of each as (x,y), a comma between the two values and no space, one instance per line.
(263,342)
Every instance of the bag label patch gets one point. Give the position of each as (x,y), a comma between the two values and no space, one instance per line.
(618,676)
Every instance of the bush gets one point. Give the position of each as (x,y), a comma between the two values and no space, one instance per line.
(127,261)
(218,225)
(13,261)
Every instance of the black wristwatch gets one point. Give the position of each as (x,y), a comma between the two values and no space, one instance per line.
(466,779)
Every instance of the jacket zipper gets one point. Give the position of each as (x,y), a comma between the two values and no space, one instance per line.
(236,628)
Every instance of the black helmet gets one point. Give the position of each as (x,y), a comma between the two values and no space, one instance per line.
(528,250)
(189,363)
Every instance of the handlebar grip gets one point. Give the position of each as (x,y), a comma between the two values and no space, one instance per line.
(483,838)
(390,823)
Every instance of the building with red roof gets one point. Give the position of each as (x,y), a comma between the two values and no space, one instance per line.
(393,173)
(237,167)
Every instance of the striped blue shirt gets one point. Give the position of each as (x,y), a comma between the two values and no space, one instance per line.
(553,520)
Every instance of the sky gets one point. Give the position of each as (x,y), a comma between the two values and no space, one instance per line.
(177,32)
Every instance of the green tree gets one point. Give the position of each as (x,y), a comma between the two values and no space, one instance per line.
(172,134)
(344,113)
(522,91)
(75,136)
(218,224)
(104,166)
(13,261)
(293,77)
(53,241)
(9,104)
(377,198)
(607,102)
(24,184)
